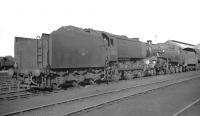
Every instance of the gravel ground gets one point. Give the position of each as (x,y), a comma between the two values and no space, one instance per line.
(162,102)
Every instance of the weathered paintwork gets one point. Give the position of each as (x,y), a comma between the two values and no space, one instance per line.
(71,47)
(74,48)
(130,48)
(191,57)
(27,54)
(172,53)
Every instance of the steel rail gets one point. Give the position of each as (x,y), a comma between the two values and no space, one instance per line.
(187,107)
(15,95)
(119,99)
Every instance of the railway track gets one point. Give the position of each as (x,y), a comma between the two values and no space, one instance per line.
(188,107)
(21,95)
(10,89)
(87,103)
(16,95)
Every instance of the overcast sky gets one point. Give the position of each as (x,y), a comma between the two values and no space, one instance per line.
(158,20)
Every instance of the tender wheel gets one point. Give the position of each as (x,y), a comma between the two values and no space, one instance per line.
(140,74)
(127,75)
(167,71)
(151,73)
(115,76)
(91,81)
(172,70)
(180,69)
(177,69)
(154,72)
(75,84)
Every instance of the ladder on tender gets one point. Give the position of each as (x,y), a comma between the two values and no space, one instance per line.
(39,52)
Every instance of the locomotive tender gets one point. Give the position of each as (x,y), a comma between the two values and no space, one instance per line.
(72,55)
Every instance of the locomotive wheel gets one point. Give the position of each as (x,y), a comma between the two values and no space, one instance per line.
(181,69)
(154,71)
(161,72)
(91,81)
(150,73)
(130,75)
(176,69)
(172,70)
(167,71)
(125,77)
(115,75)
(140,74)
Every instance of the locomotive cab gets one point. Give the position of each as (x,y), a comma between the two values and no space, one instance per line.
(191,60)
(111,47)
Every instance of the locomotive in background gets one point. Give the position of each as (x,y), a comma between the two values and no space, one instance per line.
(71,56)
(6,63)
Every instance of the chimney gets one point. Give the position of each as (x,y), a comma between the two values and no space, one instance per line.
(149,42)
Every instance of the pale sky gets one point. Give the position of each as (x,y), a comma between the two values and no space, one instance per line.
(156,20)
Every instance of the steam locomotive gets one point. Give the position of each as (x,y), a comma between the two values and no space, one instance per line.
(6,63)
(71,56)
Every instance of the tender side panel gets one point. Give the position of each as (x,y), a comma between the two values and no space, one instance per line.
(76,49)
(190,58)
(25,53)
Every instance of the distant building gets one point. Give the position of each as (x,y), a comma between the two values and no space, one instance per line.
(197,46)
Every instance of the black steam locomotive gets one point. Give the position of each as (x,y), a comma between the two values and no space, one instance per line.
(72,55)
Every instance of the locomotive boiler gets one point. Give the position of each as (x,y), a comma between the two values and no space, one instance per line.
(171,59)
